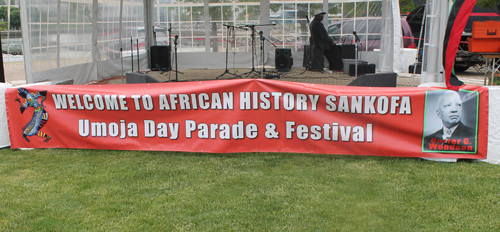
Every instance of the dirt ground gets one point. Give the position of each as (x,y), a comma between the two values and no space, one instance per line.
(14,71)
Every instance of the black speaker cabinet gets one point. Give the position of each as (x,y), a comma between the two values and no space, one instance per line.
(376,80)
(160,58)
(347,51)
(371,68)
(412,67)
(283,59)
(362,67)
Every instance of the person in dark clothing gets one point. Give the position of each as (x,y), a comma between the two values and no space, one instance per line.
(322,45)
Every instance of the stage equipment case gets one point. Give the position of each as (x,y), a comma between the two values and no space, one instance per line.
(485,37)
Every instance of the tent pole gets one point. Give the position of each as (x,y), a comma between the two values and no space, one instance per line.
(121,35)
(418,46)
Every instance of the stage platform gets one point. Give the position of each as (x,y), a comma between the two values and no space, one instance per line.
(294,75)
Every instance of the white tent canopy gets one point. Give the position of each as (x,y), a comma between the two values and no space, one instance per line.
(81,39)
(436,18)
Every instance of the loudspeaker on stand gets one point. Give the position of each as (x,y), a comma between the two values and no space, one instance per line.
(160,58)
(283,59)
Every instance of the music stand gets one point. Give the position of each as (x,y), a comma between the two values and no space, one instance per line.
(230,29)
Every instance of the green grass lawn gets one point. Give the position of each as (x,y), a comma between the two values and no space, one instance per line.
(68,190)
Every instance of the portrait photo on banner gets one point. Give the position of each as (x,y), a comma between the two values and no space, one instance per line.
(450,121)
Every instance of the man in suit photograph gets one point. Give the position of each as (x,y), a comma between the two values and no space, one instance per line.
(454,135)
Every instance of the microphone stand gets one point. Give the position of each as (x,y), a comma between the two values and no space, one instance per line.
(175,55)
(170,43)
(356,40)
(138,59)
(252,27)
(262,39)
(252,36)
(132,53)
(230,29)
(169,34)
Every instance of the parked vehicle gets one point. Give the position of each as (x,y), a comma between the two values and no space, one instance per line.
(368,31)
(464,58)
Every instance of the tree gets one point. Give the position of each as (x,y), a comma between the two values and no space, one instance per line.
(492,4)
(3,13)
(406,6)
(15,19)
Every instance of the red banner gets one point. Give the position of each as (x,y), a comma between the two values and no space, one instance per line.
(252,115)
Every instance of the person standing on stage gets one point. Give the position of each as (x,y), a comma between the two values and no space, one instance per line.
(320,41)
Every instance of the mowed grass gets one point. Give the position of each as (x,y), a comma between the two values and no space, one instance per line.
(68,190)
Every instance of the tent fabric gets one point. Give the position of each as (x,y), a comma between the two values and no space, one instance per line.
(81,40)
(493,125)
(436,17)
(390,44)
(4,129)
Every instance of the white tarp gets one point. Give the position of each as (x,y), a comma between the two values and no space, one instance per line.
(493,126)
(4,129)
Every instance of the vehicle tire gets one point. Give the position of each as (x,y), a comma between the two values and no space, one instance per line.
(461,68)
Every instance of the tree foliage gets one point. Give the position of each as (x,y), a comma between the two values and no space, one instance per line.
(492,4)
(406,6)
(15,17)
(3,13)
